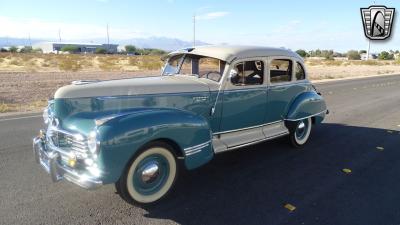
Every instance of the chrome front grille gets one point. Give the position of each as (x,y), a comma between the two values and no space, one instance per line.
(67,141)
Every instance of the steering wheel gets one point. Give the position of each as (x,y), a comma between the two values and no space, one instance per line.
(213,78)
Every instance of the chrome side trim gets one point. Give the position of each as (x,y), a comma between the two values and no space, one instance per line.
(196,149)
(307,116)
(256,142)
(246,128)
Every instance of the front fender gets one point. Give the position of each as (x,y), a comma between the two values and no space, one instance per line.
(122,137)
(307,104)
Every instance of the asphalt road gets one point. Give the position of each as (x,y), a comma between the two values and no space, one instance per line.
(247,186)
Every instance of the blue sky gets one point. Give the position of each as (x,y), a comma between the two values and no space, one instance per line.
(307,24)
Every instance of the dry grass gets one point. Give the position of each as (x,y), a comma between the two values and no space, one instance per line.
(29,91)
(10,62)
(332,69)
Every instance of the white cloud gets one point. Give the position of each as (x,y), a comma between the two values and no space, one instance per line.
(211,15)
(40,29)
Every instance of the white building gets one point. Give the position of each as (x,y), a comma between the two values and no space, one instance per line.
(363,56)
(55,47)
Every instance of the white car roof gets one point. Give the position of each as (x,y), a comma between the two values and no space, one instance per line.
(230,52)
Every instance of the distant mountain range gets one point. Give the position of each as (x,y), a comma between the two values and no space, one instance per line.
(164,43)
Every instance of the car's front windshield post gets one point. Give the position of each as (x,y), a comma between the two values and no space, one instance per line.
(173,65)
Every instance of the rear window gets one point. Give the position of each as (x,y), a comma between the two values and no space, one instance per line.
(280,70)
(300,74)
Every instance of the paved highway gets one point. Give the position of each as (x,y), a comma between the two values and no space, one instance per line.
(248,186)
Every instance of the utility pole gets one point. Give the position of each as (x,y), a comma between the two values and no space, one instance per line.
(194,30)
(59,35)
(369,44)
(29,39)
(108,40)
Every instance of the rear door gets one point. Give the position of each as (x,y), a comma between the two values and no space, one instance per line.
(283,87)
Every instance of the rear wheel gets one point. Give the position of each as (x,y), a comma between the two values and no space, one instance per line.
(150,176)
(300,132)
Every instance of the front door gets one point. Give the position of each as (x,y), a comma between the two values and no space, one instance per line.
(244,103)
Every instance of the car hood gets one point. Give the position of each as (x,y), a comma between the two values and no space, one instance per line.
(133,86)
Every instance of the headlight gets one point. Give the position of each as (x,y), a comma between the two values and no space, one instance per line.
(92,142)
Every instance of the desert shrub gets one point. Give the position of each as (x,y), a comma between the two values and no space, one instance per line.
(13,49)
(45,64)
(130,49)
(101,51)
(302,53)
(4,108)
(26,49)
(353,55)
(108,63)
(69,64)
(3,50)
(333,62)
(313,62)
(151,63)
(16,62)
(370,63)
(134,61)
(70,48)
(150,51)
(384,55)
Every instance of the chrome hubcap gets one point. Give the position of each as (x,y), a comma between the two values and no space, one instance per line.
(301,125)
(301,130)
(150,172)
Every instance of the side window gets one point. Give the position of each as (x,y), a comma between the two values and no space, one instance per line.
(186,67)
(248,73)
(300,74)
(280,70)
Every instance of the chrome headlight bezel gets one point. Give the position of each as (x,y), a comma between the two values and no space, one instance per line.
(46,115)
(47,112)
(92,142)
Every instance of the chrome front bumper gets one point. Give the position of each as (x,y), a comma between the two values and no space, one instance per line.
(50,160)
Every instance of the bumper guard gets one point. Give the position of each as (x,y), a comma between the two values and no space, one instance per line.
(50,161)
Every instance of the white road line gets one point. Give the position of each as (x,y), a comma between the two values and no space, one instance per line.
(25,117)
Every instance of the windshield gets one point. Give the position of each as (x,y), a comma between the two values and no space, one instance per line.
(195,65)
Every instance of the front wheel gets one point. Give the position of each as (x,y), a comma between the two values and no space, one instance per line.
(300,133)
(150,175)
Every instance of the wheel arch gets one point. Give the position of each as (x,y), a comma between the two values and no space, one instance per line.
(124,136)
(307,104)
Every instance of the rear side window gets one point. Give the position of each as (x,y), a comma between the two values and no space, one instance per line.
(300,73)
(248,73)
(280,70)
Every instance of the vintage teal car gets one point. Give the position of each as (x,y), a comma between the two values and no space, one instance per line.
(136,132)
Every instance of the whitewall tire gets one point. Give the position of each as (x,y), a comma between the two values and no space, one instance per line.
(300,133)
(150,176)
